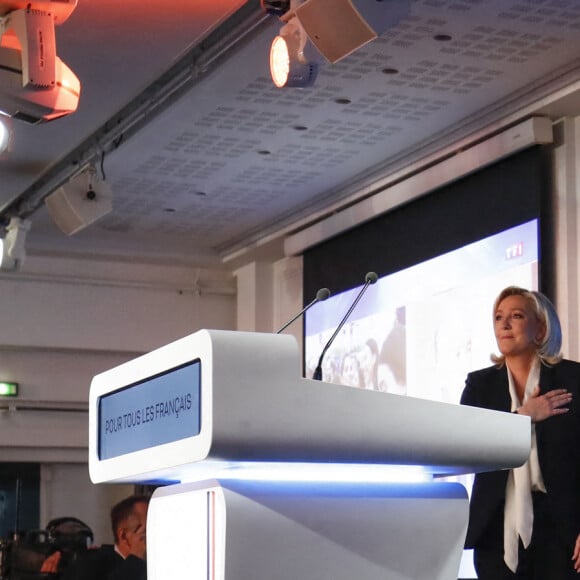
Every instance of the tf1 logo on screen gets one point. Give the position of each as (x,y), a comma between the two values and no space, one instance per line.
(514,251)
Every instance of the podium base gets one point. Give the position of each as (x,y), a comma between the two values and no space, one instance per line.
(256,530)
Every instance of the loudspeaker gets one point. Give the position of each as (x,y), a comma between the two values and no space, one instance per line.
(339,27)
(79,203)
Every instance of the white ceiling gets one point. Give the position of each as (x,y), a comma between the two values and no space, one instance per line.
(206,157)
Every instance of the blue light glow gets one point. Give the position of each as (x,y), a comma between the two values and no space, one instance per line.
(312,472)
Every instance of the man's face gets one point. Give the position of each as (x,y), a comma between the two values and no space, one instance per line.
(134,532)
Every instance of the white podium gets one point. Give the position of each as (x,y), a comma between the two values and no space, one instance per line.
(277,476)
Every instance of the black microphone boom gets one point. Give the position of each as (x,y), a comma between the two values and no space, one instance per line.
(321,295)
(370,278)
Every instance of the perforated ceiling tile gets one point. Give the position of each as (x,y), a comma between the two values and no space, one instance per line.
(243,196)
(459,5)
(237,155)
(485,44)
(390,106)
(278,176)
(556,13)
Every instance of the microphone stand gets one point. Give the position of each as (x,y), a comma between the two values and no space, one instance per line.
(321,295)
(370,278)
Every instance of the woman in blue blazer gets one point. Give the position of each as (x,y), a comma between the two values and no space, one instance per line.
(525,522)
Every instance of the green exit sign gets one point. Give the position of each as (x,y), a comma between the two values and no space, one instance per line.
(8,389)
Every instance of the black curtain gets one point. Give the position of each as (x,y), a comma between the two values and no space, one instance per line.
(508,193)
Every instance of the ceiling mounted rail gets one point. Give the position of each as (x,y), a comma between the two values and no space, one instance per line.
(187,71)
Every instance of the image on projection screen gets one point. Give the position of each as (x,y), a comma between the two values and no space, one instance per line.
(419,331)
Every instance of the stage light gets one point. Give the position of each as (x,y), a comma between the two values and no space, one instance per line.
(290,63)
(12,251)
(330,30)
(35,85)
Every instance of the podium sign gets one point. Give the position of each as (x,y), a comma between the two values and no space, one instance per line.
(162,409)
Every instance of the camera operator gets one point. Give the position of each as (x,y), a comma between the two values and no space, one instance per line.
(126,559)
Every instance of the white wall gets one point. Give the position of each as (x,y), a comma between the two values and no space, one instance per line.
(270,294)
(112,307)
(62,322)
(254,297)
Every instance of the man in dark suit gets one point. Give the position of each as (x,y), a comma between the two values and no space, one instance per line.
(530,378)
(127,558)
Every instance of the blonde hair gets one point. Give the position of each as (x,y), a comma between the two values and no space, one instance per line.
(549,348)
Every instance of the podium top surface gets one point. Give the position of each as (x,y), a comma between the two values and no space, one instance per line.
(215,399)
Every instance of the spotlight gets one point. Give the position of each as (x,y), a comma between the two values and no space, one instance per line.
(334,29)
(80,202)
(12,252)
(290,65)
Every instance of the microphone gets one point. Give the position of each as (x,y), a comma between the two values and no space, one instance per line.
(321,295)
(370,278)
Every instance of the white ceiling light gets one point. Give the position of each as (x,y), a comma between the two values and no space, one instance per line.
(12,250)
(5,134)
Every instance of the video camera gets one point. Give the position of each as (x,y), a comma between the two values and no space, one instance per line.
(21,558)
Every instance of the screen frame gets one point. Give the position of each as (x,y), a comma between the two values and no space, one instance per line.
(160,463)
(149,382)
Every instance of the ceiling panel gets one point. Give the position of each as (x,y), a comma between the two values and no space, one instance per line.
(234,158)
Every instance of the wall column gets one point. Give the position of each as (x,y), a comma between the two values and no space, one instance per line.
(270,294)
(254,296)
(566,235)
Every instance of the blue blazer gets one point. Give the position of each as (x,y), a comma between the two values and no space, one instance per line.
(558,441)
